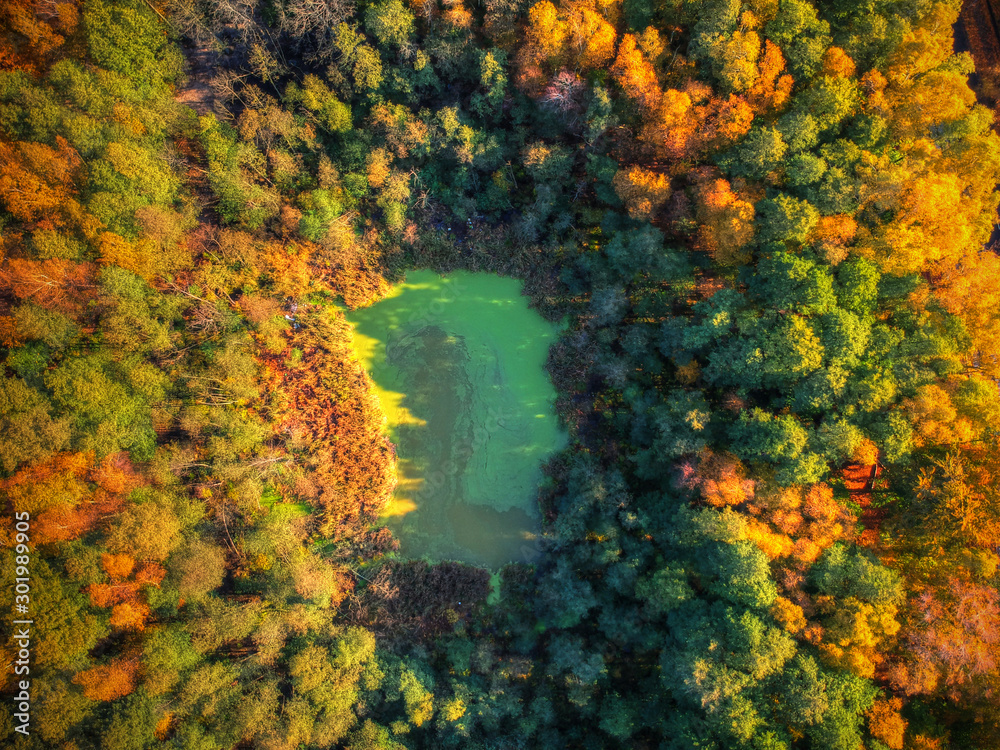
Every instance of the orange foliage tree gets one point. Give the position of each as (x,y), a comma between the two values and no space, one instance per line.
(634,72)
(773,87)
(60,285)
(833,236)
(885,723)
(350,461)
(123,591)
(38,182)
(955,639)
(37,487)
(726,220)
(34,29)
(108,682)
(59,494)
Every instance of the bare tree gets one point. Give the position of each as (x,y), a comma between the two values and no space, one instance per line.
(191,18)
(312,25)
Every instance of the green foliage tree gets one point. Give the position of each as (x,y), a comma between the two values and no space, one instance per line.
(126,37)
(759,153)
(786,219)
(131,723)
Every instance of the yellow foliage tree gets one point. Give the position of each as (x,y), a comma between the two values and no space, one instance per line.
(592,39)
(788,614)
(854,634)
(935,419)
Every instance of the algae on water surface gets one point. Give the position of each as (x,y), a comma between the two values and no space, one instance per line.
(458,363)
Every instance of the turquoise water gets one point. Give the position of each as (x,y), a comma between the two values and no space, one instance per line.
(458,363)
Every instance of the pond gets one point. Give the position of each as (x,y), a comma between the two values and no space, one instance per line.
(458,363)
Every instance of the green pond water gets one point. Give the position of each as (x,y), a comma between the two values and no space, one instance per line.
(458,363)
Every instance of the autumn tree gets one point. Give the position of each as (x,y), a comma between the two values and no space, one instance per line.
(635,74)
(726,218)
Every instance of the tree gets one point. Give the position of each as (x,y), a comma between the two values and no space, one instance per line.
(727,221)
(739,573)
(804,697)
(635,74)
(773,88)
(935,419)
(114,679)
(564,599)
(197,568)
(126,36)
(371,736)
(590,38)
(799,130)
(955,642)
(642,191)
(802,36)
(389,22)
(233,173)
(148,529)
(546,41)
(56,285)
(312,25)
(828,706)
(131,723)
(852,572)
(854,633)
(167,655)
(929,227)
(318,99)
(957,495)
(418,699)
(665,590)
(37,34)
(29,431)
(829,101)
(838,64)
(759,153)
(738,55)
(63,707)
(760,436)
(788,614)
(886,724)
(673,127)
(135,318)
(789,282)
(786,219)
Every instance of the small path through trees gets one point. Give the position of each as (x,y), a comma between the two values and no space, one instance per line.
(196,92)
(859,481)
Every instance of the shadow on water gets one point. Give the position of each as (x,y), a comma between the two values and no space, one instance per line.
(459,366)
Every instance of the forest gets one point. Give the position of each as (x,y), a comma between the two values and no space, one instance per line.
(766,225)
